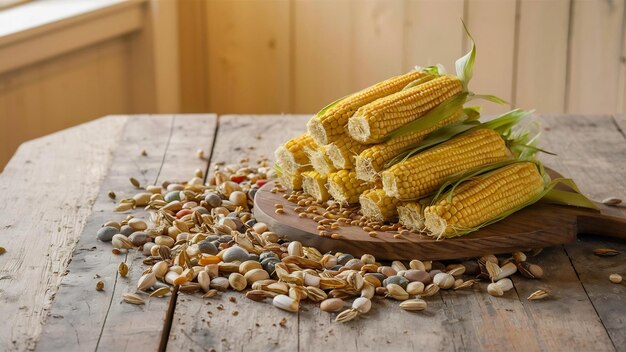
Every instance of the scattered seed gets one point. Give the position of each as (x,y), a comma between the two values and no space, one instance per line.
(605,252)
(612,201)
(132,298)
(122,269)
(135,182)
(144,152)
(615,278)
(280,211)
(111,194)
(200,154)
(99,285)
(161,292)
(537,295)
(373,234)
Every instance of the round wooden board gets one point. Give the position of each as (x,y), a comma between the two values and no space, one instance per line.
(537,226)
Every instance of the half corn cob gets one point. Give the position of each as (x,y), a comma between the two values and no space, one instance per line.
(314,184)
(376,205)
(328,125)
(423,173)
(371,160)
(484,199)
(292,180)
(344,187)
(292,154)
(343,151)
(372,122)
(320,160)
(410,216)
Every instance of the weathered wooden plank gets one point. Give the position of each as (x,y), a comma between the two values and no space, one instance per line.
(248,56)
(46,190)
(208,324)
(123,323)
(99,320)
(79,313)
(596,27)
(542,55)
(593,152)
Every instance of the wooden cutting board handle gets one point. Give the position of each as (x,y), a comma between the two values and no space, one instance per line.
(610,222)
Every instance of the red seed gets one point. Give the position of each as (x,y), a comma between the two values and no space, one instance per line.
(238,178)
(183,212)
(261,183)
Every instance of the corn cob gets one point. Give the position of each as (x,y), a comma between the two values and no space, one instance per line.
(292,155)
(371,160)
(315,185)
(423,173)
(330,124)
(293,180)
(376,205)
(484,199)
(372,122)
(410,216)
(344,187)
(342,152)
(320,160)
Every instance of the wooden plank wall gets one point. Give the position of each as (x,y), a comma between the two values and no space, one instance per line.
(273,56)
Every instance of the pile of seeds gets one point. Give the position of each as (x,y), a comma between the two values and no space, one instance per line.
(202,238)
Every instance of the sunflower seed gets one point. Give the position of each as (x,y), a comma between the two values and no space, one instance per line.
(132,298)
(537,295)
(413,305)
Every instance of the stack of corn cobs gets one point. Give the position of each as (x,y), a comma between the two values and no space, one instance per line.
(408,150)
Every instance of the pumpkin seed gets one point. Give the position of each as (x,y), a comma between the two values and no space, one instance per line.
(122,269)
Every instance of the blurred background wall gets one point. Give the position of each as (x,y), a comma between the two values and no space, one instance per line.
(295,56)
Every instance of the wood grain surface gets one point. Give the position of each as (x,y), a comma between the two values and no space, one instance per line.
(585,311)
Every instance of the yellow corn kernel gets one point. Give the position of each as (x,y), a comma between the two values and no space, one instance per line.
(314,184)
(423,173)
(376,205)
(344,187)
(483,199)
(372,122)
(292,154)
(293,180)
(331,124)
(371,160)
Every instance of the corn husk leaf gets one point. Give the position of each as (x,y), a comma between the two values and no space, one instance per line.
(465,65)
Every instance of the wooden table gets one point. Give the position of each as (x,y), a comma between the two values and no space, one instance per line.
(54,198)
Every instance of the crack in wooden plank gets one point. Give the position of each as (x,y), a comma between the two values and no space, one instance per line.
(590,300)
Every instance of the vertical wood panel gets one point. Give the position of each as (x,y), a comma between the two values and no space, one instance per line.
(377,41)
(433,33)
(248,52)
(492,24)
(542,55)
(321,57)
(595,52)
(192,39)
